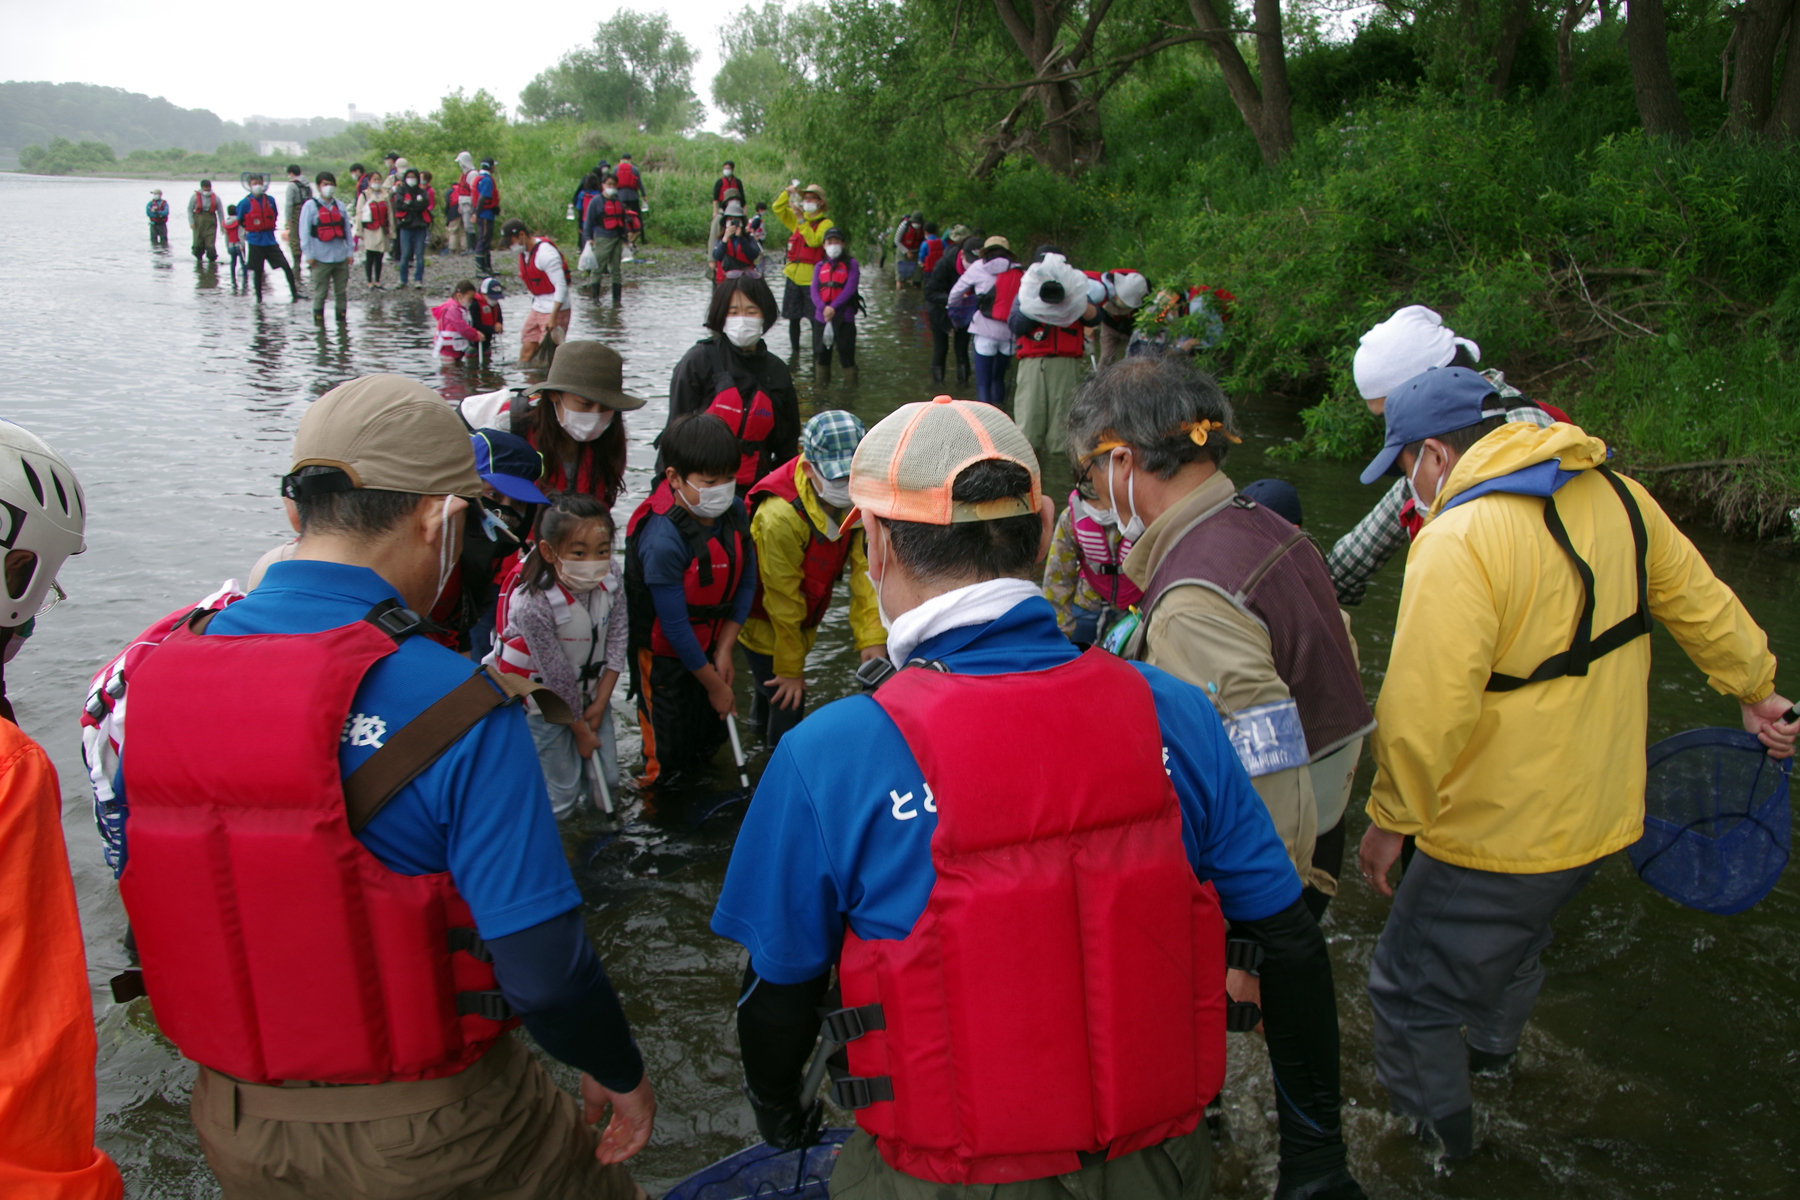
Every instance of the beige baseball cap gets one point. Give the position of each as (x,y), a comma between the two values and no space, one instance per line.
(906,467)
(388,434)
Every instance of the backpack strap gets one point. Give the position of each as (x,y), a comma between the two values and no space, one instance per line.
(1586,648)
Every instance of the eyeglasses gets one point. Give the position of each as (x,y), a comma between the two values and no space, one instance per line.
(52,598)
(1084,481)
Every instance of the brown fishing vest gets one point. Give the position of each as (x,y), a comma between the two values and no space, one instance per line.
(1272,571)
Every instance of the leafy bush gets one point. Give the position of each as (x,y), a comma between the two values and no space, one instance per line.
(63,157)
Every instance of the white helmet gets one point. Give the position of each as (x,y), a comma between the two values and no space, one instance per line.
(41,510)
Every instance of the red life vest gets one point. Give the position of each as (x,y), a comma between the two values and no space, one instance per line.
(487,203)
(328,221)
(1075,880)
(627,175)
(1100,560)
(616,216)
(825,559)
(934,251)
(257,214)
(715,569)
(378,215)
(753,422)
(831,278)
(486,316)
(1004,292)
(275,945)
(536,280)
(798,251)
(911,235)
(1053,341)
(733,260)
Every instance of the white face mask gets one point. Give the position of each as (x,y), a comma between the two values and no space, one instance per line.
(328,190)
(609,193)
(809,207)
(712,501)
(834,250)
(1412,480)
(584,426)
(256,189)
(411,181)
(835,492)
(744,332)
(726,172)
(1133,529)
(1100,516)
(584,576)
(446,557)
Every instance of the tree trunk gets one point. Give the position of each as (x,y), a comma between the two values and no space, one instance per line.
(1268,114)
(1512,28)
(1784,116)
(1647,48)
(1750,86)
(1574,13)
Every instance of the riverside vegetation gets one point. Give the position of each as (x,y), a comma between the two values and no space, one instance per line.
(1496,168)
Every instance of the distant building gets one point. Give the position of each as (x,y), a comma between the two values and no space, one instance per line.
(266,147)
(359,117)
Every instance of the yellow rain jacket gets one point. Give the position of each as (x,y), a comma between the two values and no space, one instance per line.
(782,536)
(811,230)
(1551,775)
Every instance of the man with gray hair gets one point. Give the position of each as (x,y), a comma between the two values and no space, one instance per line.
(1236,601)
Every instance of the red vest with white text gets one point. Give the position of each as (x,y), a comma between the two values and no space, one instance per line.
(1063,993)
(535,279)
(275,946)
(824,563)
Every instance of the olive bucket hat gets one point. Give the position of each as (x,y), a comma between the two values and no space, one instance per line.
(592,370)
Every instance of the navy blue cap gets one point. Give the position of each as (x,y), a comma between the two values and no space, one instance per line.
(1442,400)
(1278,496)
(508,464)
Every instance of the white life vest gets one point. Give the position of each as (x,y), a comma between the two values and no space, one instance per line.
(581,628)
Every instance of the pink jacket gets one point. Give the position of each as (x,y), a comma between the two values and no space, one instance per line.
(979,280)
(454,333)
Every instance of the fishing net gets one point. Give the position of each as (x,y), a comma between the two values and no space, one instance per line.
(764,1173)
(1717,825)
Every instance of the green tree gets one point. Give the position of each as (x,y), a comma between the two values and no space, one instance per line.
(762,53)
(638,69)
(473,123)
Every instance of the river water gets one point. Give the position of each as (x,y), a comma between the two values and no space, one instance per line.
(1664,1058)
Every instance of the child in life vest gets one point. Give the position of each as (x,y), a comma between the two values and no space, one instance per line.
(485,313)
(454,333)
(234,245)
(1084,573)
(563,624)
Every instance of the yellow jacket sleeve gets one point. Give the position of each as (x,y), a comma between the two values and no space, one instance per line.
(1431,699)
(865,615)
(783,208)
(781,536)
(1705,616)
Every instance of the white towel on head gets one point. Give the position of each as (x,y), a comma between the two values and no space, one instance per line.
(1053,269)
(1409,343)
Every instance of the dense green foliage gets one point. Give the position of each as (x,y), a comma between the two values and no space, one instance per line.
(637,69)
(36,113)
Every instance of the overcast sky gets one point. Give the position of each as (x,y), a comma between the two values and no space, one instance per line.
(269,58)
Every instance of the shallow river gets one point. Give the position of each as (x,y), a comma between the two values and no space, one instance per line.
(1664,1058)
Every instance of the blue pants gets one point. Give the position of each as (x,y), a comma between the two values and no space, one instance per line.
(412,248)
(990,378)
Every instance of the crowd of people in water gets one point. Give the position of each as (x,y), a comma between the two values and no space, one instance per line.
(1018,969)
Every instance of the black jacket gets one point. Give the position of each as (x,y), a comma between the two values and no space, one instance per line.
(694,384)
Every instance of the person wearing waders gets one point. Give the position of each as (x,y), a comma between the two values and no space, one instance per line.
(1030,963)
(1050,319)
(47,1094)
(939,279)
(294,201)
(157,210)
(806,540)
(325,229)
(484,190)
(803,212)
(257,214)
(1510,749)
(834,300)
(386,768)
(610,226)
(1413,340)
(631,185)
(1236,601)
(204,209)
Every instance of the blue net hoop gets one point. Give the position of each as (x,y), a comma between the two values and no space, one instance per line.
(1718,827)
(765,1173)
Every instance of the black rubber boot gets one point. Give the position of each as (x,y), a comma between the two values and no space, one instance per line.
(1456,1133)
(618,292)
(1488,1065)
(937,373)
(823,374)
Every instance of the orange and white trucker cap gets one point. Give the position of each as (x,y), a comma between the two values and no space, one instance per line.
(906,466)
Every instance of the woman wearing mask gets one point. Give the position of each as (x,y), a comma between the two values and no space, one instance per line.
(993,283)
(412,217)
(572,419)
(834,307)
(733,374)
(372,218)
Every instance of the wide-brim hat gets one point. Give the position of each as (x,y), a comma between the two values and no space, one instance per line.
(734,208)
(592,370)
(813,189)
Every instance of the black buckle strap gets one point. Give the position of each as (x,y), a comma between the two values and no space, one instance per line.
(128,986)
(491,1005)
(1242,954)
(853,1091)
(394,619)
(470,941)
(845,1025)
(1241,1016)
